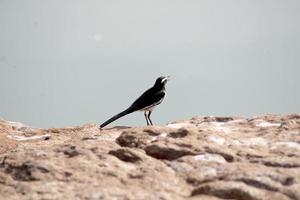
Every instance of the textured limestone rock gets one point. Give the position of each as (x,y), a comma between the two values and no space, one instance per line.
(201,158)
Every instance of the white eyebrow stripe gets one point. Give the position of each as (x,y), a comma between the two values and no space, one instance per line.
(166,78)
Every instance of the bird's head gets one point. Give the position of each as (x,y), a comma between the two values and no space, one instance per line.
(161,81)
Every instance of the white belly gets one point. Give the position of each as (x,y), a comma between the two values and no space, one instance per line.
(149,109)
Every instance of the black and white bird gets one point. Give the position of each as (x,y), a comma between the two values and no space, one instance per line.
(146,102)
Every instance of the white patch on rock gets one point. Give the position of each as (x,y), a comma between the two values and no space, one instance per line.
(155,138)
(210,158)
(106,138)
(293,132)
(257,141)
(179,125)
(219,127)
(109,137)
(295,145)
(236,121)
(209,171)
(24,138)
(236,142)
(163,135)
(265,124)
(217,139)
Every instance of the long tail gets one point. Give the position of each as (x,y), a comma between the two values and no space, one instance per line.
(121,114)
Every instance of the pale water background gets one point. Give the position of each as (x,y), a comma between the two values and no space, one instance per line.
(70,62)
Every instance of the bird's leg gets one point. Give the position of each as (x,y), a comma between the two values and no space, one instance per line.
(149,113)
(145,113)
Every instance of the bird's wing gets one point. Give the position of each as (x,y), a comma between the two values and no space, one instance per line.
(148,98)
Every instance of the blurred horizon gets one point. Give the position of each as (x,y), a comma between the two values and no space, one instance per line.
(65,63)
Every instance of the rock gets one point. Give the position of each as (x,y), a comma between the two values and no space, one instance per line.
(25,169)
(127,154)
(128,138)
(179,133)
(236,190)
(206,158)
(70,150)
(167,152)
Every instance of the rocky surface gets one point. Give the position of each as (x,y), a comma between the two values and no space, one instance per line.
(201,158)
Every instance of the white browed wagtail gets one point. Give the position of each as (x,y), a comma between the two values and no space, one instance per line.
(146,102)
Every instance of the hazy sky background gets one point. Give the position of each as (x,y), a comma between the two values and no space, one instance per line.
(70,62)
